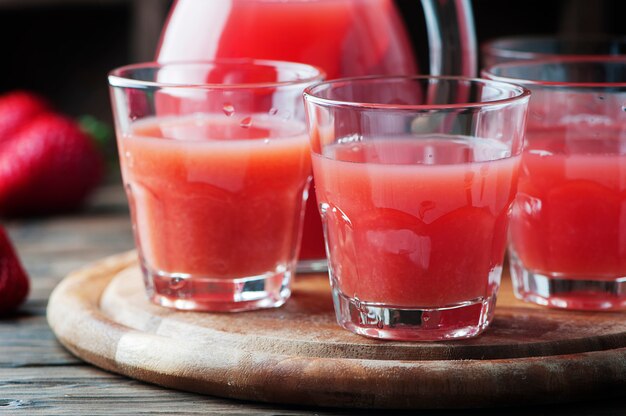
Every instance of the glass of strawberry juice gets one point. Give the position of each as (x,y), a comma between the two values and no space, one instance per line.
(568,227)
(415,177)
(216,164)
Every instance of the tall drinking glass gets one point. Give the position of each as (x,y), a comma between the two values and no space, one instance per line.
(568,228)
(216,165)
(415,177)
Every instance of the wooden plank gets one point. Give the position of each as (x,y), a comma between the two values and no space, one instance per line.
(51,247)
(72,236)
(27,341)
(87,390)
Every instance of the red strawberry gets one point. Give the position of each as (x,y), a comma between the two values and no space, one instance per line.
(16,109)
(49,165)
(13,280)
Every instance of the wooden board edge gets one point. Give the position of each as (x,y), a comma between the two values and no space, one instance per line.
(74,316)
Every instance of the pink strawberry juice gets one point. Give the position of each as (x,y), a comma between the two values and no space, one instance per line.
(416,222)
(214,198)
(570,213)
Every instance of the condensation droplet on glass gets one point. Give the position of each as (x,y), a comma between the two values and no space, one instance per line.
(600,97)
(425,317)
(323,209)
(246,122)
(129,159)
(273,111)
(177,283)
(624,108)
(540,153)
(228,109)
(266,141)
(380,324)
(355,148)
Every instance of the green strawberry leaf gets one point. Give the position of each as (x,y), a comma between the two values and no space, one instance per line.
(101,132)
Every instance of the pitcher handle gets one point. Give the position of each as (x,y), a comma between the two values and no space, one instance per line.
(451,37)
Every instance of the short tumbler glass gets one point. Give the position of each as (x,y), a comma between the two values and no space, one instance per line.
(568,228)
(415,177)
(528,48)
(216,164)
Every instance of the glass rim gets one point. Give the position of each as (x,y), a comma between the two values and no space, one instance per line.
(118,80)
(309,93)
(489,74)
(495,47)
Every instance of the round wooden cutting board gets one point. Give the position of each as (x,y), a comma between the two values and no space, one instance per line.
(298,354)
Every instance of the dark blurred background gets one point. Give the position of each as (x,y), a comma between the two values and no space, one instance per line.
(63,49)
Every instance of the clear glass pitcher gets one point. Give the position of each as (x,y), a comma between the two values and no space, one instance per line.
(343,37)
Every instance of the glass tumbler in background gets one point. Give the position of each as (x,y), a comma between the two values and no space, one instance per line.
(415,177)
(216,164)
(527,48)
(568,228)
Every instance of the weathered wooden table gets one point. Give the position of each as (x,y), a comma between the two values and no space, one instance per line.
(38,376)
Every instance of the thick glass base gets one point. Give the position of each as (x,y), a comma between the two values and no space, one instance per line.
(559,291)
(374,320)
(312,266)
(200,293)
